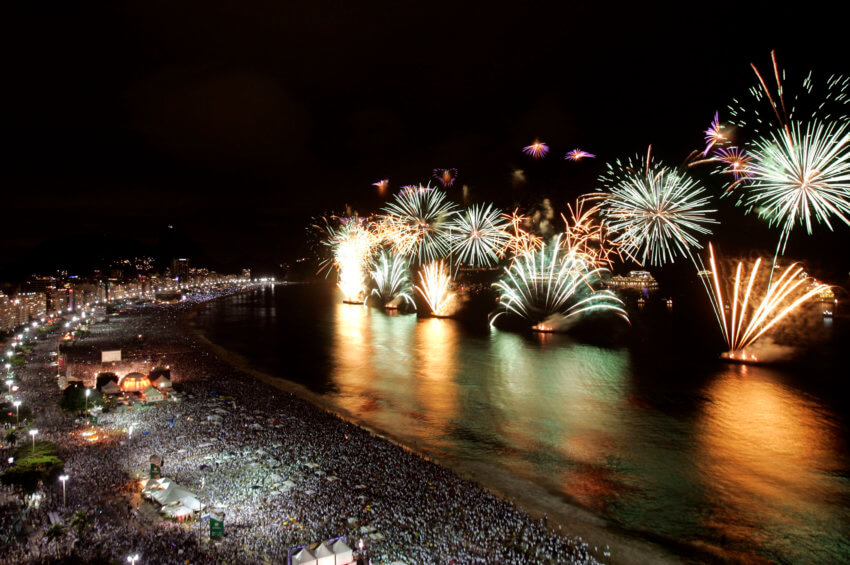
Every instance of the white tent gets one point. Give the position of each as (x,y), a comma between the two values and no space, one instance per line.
(324,556)
(155,485)
(162,382)
(175,493)
(342,553)
(176,511)
(151,394)
(110,388)
(304,557)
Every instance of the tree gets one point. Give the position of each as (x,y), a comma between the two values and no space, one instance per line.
(54,533)
(74,398)
(79,522)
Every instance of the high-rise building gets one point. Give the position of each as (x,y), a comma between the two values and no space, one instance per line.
(33,303)
(59,300)
(180,268)
(7,313)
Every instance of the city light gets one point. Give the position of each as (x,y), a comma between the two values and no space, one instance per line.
(63,478)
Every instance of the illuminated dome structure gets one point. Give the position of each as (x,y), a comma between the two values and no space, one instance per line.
(134,382)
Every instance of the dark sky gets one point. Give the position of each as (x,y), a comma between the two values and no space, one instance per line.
(237,121)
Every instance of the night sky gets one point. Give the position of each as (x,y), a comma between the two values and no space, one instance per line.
(236,122)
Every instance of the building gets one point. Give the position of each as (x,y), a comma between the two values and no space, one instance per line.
(180,269)
(640,279)
(8,314)
(59,300)
(33,303)
(21,309)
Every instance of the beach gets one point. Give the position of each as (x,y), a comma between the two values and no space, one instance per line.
(285,471)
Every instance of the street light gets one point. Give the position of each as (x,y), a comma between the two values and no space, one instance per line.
(17,405)
(88,392)
(133,558)
(9,384)
(33,433)
(63,478)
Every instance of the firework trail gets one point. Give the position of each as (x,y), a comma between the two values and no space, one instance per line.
(446,177)
(435,287)
(548,287)
(578,155)
(537,150)
(826,99)
(392,280)
(654,212)
(755,307)
(477,235)
(415,223)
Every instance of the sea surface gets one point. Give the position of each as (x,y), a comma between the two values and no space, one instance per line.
(649,431)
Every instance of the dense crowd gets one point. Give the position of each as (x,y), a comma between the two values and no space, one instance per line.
(284,472)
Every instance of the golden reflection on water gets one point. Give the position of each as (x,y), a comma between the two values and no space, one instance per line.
(766,454)
(435,385)
(353,336)
(396,372)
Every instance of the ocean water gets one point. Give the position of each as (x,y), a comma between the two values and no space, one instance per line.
(650,432)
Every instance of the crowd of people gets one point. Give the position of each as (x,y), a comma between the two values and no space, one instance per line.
(283,472)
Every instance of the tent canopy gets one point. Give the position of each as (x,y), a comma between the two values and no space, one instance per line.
(324,556)
(152,395)
(161,381)
(342,553)
(304,557)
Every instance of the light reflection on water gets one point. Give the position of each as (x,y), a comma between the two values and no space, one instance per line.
(738,461)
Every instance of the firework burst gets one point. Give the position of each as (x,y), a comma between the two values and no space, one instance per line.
(548,288)
(392,280)
(745,313)
(800,174)
(415,223)
(578,155)
(446,177)
(737,162)
(587,235)
(536,150)
(714,134)
(353,244)
(520,240)
(477,235)
(654,211)
(798,171)
(435,287)
(382,185)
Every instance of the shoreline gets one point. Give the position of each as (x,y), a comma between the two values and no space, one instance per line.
(535,500)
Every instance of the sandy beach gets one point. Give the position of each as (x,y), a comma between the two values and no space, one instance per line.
(286,470)
(531,498)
